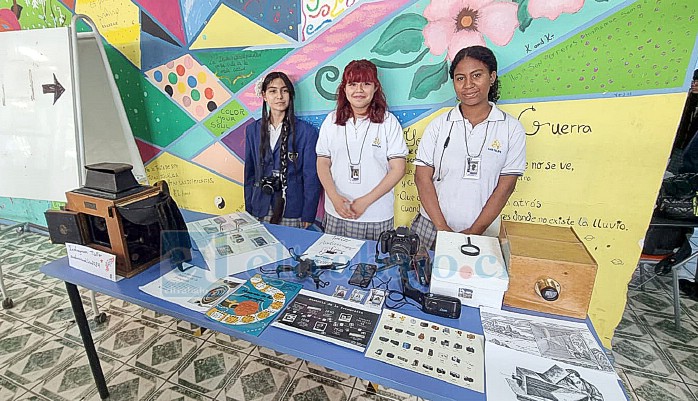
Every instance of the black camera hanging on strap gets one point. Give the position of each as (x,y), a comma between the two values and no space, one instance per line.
(282,180)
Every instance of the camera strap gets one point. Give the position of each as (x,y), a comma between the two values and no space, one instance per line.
(280,201)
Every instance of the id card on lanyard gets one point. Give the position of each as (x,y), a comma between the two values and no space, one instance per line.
(355,167)
(472,168)
(354,173)
(472,163)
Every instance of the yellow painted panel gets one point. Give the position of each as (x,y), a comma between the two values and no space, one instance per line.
(196,188)
(118,22)
(596,165)
(227,28)
(406,199)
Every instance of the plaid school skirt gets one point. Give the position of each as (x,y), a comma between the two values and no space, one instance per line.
(426,230)
(356,229)
(295,223)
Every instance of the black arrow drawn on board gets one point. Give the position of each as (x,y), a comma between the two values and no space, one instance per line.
(56,88)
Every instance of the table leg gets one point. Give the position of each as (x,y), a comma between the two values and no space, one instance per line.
(92,357)
(677,301)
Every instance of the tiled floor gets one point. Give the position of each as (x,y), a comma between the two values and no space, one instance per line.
(148,356)
(656,361)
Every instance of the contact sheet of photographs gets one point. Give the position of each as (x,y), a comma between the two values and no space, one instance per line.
(347,323)
(439,351)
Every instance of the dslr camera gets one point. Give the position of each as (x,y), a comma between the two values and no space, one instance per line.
(270,184)
(399,241)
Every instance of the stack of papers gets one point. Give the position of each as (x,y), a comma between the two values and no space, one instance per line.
(194,288)
(235,243)
(531,357)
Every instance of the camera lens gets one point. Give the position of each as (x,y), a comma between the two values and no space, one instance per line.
(269,185)
(400,246)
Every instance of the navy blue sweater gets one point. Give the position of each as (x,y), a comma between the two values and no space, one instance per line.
(303,189)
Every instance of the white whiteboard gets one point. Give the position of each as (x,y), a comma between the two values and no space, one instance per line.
(38,153)
(43,145)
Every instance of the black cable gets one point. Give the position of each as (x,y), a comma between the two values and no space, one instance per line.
(318,282)
(448,139)
(381,283)
(399,302)
(270,271)
(294,255)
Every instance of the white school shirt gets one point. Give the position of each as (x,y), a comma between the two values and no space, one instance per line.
(274,134)
(383,142)
(502,139)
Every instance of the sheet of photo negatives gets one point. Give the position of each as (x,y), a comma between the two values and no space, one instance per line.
(332,318)
(439,351)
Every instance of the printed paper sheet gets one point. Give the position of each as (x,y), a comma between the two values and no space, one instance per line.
(555,339)
(442,352)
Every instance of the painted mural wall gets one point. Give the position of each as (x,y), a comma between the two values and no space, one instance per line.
(598,84)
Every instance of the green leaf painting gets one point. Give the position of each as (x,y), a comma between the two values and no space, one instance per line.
(331,73)
(389,64)
(523,15)
(404,34)
(427,79)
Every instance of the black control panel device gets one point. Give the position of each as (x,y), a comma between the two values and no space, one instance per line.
(433,304)
(441,305)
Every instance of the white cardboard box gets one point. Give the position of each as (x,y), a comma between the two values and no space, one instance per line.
(479,280)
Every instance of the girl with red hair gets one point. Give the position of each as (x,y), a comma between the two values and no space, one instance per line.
(361,156)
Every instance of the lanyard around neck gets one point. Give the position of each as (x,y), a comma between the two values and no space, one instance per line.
(465,137)
(346,141)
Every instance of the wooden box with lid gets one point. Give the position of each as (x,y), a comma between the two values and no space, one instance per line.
(550,269)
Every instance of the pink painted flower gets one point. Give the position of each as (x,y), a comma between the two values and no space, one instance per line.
(8,21)
(551,9)
(455,24)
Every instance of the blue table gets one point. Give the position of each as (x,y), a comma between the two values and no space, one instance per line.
(310,349)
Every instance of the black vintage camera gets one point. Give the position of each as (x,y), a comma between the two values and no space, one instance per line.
(399,241)
(270,184)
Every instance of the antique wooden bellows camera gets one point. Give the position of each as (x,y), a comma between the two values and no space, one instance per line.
(112,212)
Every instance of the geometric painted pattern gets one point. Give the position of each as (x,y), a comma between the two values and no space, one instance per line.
(146,150)
(168,13)
(190,85)
(155,51)
(195,13)
(237,70)
(148,357)
(222,161)
(160,120)
(275,15)
(228,28)
(314,16)
(235,140)
(191,142)
(323,46)
(226,118)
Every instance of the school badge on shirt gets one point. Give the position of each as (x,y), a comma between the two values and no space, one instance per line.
(376,142)
(496,146)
